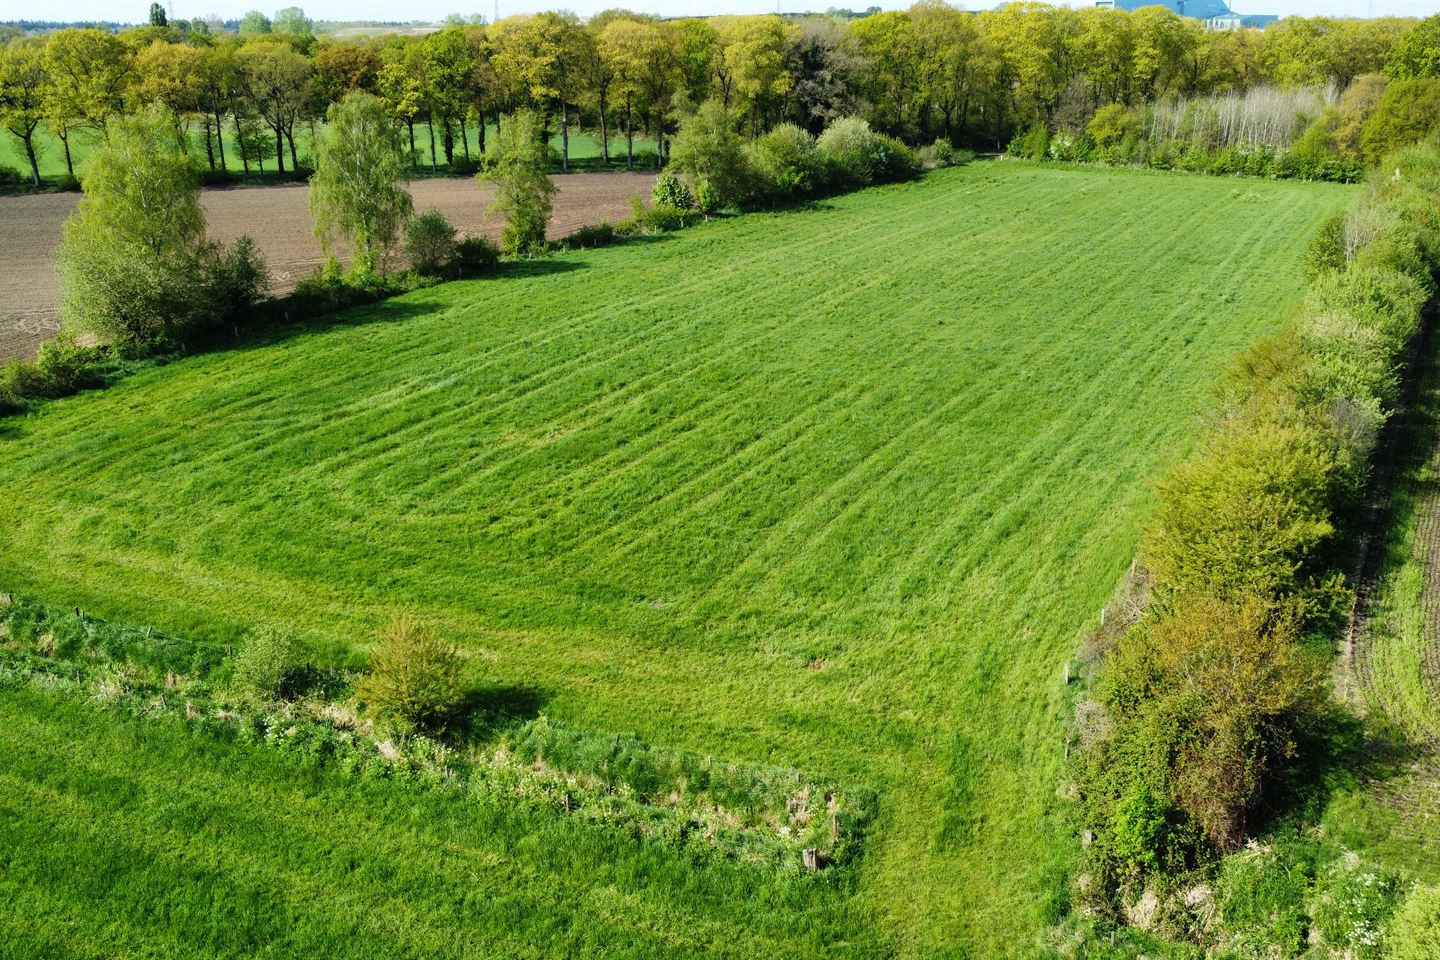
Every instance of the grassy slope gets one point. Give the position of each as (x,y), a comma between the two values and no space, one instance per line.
(837,489)
(583,147)
(1395,817)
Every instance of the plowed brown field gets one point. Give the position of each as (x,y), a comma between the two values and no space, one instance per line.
(278,217)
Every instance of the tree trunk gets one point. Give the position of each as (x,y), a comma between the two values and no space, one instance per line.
(604,132)
(69,164)
(629,135)
(280,149)
(30,153)
(480,133)
(290,138)
(220,140)
(209,146)
(448,141)
(244,154)
(414,160)
(564,137)
(465,136)
(430,125)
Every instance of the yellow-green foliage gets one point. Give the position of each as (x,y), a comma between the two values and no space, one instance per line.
(415,676)
(1414,932)
(1203,699)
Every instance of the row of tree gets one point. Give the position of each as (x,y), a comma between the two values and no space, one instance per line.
(926,72)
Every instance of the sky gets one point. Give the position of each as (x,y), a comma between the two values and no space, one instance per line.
(137,10)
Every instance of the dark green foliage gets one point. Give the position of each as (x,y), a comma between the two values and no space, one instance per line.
(429,242)
(474,255)
(589,237)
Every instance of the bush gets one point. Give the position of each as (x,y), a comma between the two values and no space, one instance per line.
(266,664)
(1327,248)
(231,280)
(783,165)
(429,242)
(1385,299)
(465,166)
(9,176)
(1113,124)
(1414,931)
(415,677)
(1244,516)
(671,191)
(847,151)
(475,255)
(1408,111)
(596,235)
(1033,144)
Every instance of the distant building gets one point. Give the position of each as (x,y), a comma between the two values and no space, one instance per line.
(1215,14)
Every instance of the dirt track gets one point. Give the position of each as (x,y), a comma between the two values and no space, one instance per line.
(278,217)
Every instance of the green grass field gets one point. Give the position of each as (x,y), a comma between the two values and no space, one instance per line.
(584,150)
(836,489)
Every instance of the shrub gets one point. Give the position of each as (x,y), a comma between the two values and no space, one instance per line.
(1113,124)
(266,664)
(430,242)
(1327,248)
(415,677)
(1244,516)
(783,164)
(595,235)
(1414,931)
(941,154)
(1033,144)
(465,166)
(1408,111)
(475,255)
(1385,299)
(9,176)
(231,280)
(671,191)
(847,149)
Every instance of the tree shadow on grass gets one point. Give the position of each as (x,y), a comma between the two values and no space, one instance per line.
(489,712)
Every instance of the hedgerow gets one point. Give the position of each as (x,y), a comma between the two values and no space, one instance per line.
(1197,710)
(706,806)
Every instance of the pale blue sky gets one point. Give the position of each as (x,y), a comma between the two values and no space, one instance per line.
(135,10)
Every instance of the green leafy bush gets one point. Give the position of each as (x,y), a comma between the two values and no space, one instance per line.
(1326,250)
(266,664)
(1113,124)
(429,242)
(414,677)
(671,191)
(784,165)
(475,255)
(515,164)
(708,151)
(1033,144)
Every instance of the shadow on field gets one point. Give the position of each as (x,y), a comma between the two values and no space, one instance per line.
(488,712)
